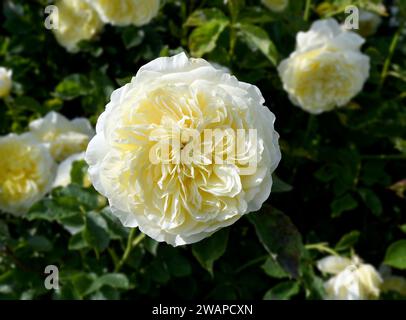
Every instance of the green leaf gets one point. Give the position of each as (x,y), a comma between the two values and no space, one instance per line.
(40,243)
(283,291)
(95,232)
(403,228)
(255,15)
(396,255)
(280,185)
(78,172)
(115,228)
(327,172)
(72,86)
(279,237)
(48,210)
(132,37)
(203,16)
(114,280)
(211,249)
(347,241)
(150,245)
(203,39)
(342,204)
(177,264)
(257,38)
(273,269)
(371,200)
(77,242)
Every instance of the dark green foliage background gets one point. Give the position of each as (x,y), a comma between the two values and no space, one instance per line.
(334,179)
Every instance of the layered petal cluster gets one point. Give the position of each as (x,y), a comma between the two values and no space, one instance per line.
(353,279)
(177,101)
(5,82)
(276,5)
(75,21)
(126,12)
(63,136)
(327,69)
(27,171)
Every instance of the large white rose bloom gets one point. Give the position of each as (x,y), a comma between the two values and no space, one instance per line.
(276,5)
(76,21)
(5,82)
(126,12)
(27,171)
(353,279)
(327,69)
(64,137)
(183,202)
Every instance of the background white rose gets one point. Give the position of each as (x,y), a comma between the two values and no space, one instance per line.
(65,137)
(77,21)
(353,279)
(5,82)
(180,203)
(126,12)
(27,171)
(327,68)
(368,23)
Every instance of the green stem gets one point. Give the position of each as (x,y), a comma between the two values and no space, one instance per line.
(322,247)
(388,59)
(138,239)
(251,263)
(307,10)
(127,250)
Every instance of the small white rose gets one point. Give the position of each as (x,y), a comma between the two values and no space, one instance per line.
(368,23)
(126,12)
(77,21)
(63,136)
(327,69)
(181,202)
(27,171)
(353,279)
(5,82)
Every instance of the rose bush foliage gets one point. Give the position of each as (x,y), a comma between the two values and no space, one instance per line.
(338,190)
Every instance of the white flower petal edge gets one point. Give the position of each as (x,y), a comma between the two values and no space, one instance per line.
(327,69)
(64,137)
(333,264)
(27,172)
(179,204)
(126,12)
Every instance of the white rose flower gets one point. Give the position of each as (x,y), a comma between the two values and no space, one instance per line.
(353,279)
(327,69)
(5,82)
(276,5)
(63,177)
(64,137)
(368,23)
(181,202)
(126,12)
(27,171)
(76,21)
